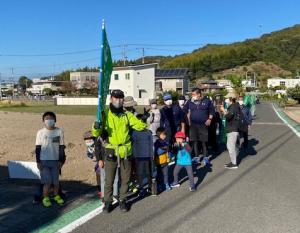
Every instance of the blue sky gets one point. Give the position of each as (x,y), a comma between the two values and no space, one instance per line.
(59,26)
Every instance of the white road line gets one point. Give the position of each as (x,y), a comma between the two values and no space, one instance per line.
(267,123)
(73,225)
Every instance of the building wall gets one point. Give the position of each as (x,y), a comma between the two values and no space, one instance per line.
(38,88)
(140,80)
(288,83)
(170,84)
(122,83)
(80,78)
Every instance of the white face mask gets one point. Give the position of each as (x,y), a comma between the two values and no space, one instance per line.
(50,123)
(195,98)
(241,102)
(181,102)
(89,143)
(153,106)
(168,102)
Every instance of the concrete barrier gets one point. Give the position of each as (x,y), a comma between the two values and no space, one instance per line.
(23,170)
(89,101)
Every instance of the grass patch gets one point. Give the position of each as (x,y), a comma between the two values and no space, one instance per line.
(12,104)
(33,107)
(41,107)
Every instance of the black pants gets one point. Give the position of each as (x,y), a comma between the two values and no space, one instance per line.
(244,134)
(199,137)
(143,167)
(196,148)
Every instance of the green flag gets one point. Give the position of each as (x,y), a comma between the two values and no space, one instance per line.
(106,67)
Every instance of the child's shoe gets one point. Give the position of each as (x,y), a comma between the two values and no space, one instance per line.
(206,161)
(192,189)
(58,200)
(175,185)
(167,187)
(46,202)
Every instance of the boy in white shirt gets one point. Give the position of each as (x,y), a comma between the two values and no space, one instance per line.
(50,156)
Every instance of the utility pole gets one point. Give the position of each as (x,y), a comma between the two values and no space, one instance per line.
(13,82)
(0,88)
(124,54)
(143,55)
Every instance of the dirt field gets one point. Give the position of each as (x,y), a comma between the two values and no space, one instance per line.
(17,142)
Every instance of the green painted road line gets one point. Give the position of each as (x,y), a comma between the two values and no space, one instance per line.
(69,217)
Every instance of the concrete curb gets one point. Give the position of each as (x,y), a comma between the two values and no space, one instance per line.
(293,125)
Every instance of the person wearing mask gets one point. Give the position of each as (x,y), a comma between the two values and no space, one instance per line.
(118,150)
(245,122)
(167,118)
(153,120)
(200,111)
(129,104)
(232,115)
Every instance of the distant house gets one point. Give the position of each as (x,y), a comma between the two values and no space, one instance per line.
(84,79)
(38,86)
(209,86)
(136,81)
(287,83)
(172,79)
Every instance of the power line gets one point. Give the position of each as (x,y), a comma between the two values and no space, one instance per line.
(95,50)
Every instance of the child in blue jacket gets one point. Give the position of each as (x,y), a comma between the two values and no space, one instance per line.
(183,160)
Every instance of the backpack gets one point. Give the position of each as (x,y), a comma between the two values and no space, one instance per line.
(243,119)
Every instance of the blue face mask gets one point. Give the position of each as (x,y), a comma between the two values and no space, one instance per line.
(50,123)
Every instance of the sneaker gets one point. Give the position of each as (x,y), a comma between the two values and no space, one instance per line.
(107,208)
(196,160)
(167,187)
(46,202)
(228,164)
(142,193)
(58,200)
(206,161)
(192,189)
(124,206)
(232,166)
(175,185)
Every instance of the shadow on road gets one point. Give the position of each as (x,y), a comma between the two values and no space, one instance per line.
(19,214)
(249,151)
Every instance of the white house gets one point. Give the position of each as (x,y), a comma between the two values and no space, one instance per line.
(82,79)
(288,83)
(38,87)
(137,81)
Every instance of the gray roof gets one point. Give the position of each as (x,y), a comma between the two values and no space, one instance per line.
(171,73)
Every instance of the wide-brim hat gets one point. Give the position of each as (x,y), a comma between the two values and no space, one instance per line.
(129,102)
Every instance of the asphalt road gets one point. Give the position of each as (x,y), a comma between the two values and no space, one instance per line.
(263,195)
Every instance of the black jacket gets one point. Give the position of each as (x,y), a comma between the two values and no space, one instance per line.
(232,118)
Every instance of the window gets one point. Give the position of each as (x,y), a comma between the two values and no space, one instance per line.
(116,77)
(282,83)
(127,76)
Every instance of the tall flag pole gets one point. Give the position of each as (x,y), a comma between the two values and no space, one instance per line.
(106,67)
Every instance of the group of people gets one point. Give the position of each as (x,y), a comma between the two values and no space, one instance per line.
(136,152)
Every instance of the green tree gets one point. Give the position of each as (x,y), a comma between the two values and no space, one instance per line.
(294,93)
(48,91)
(24,83)
(236,84)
